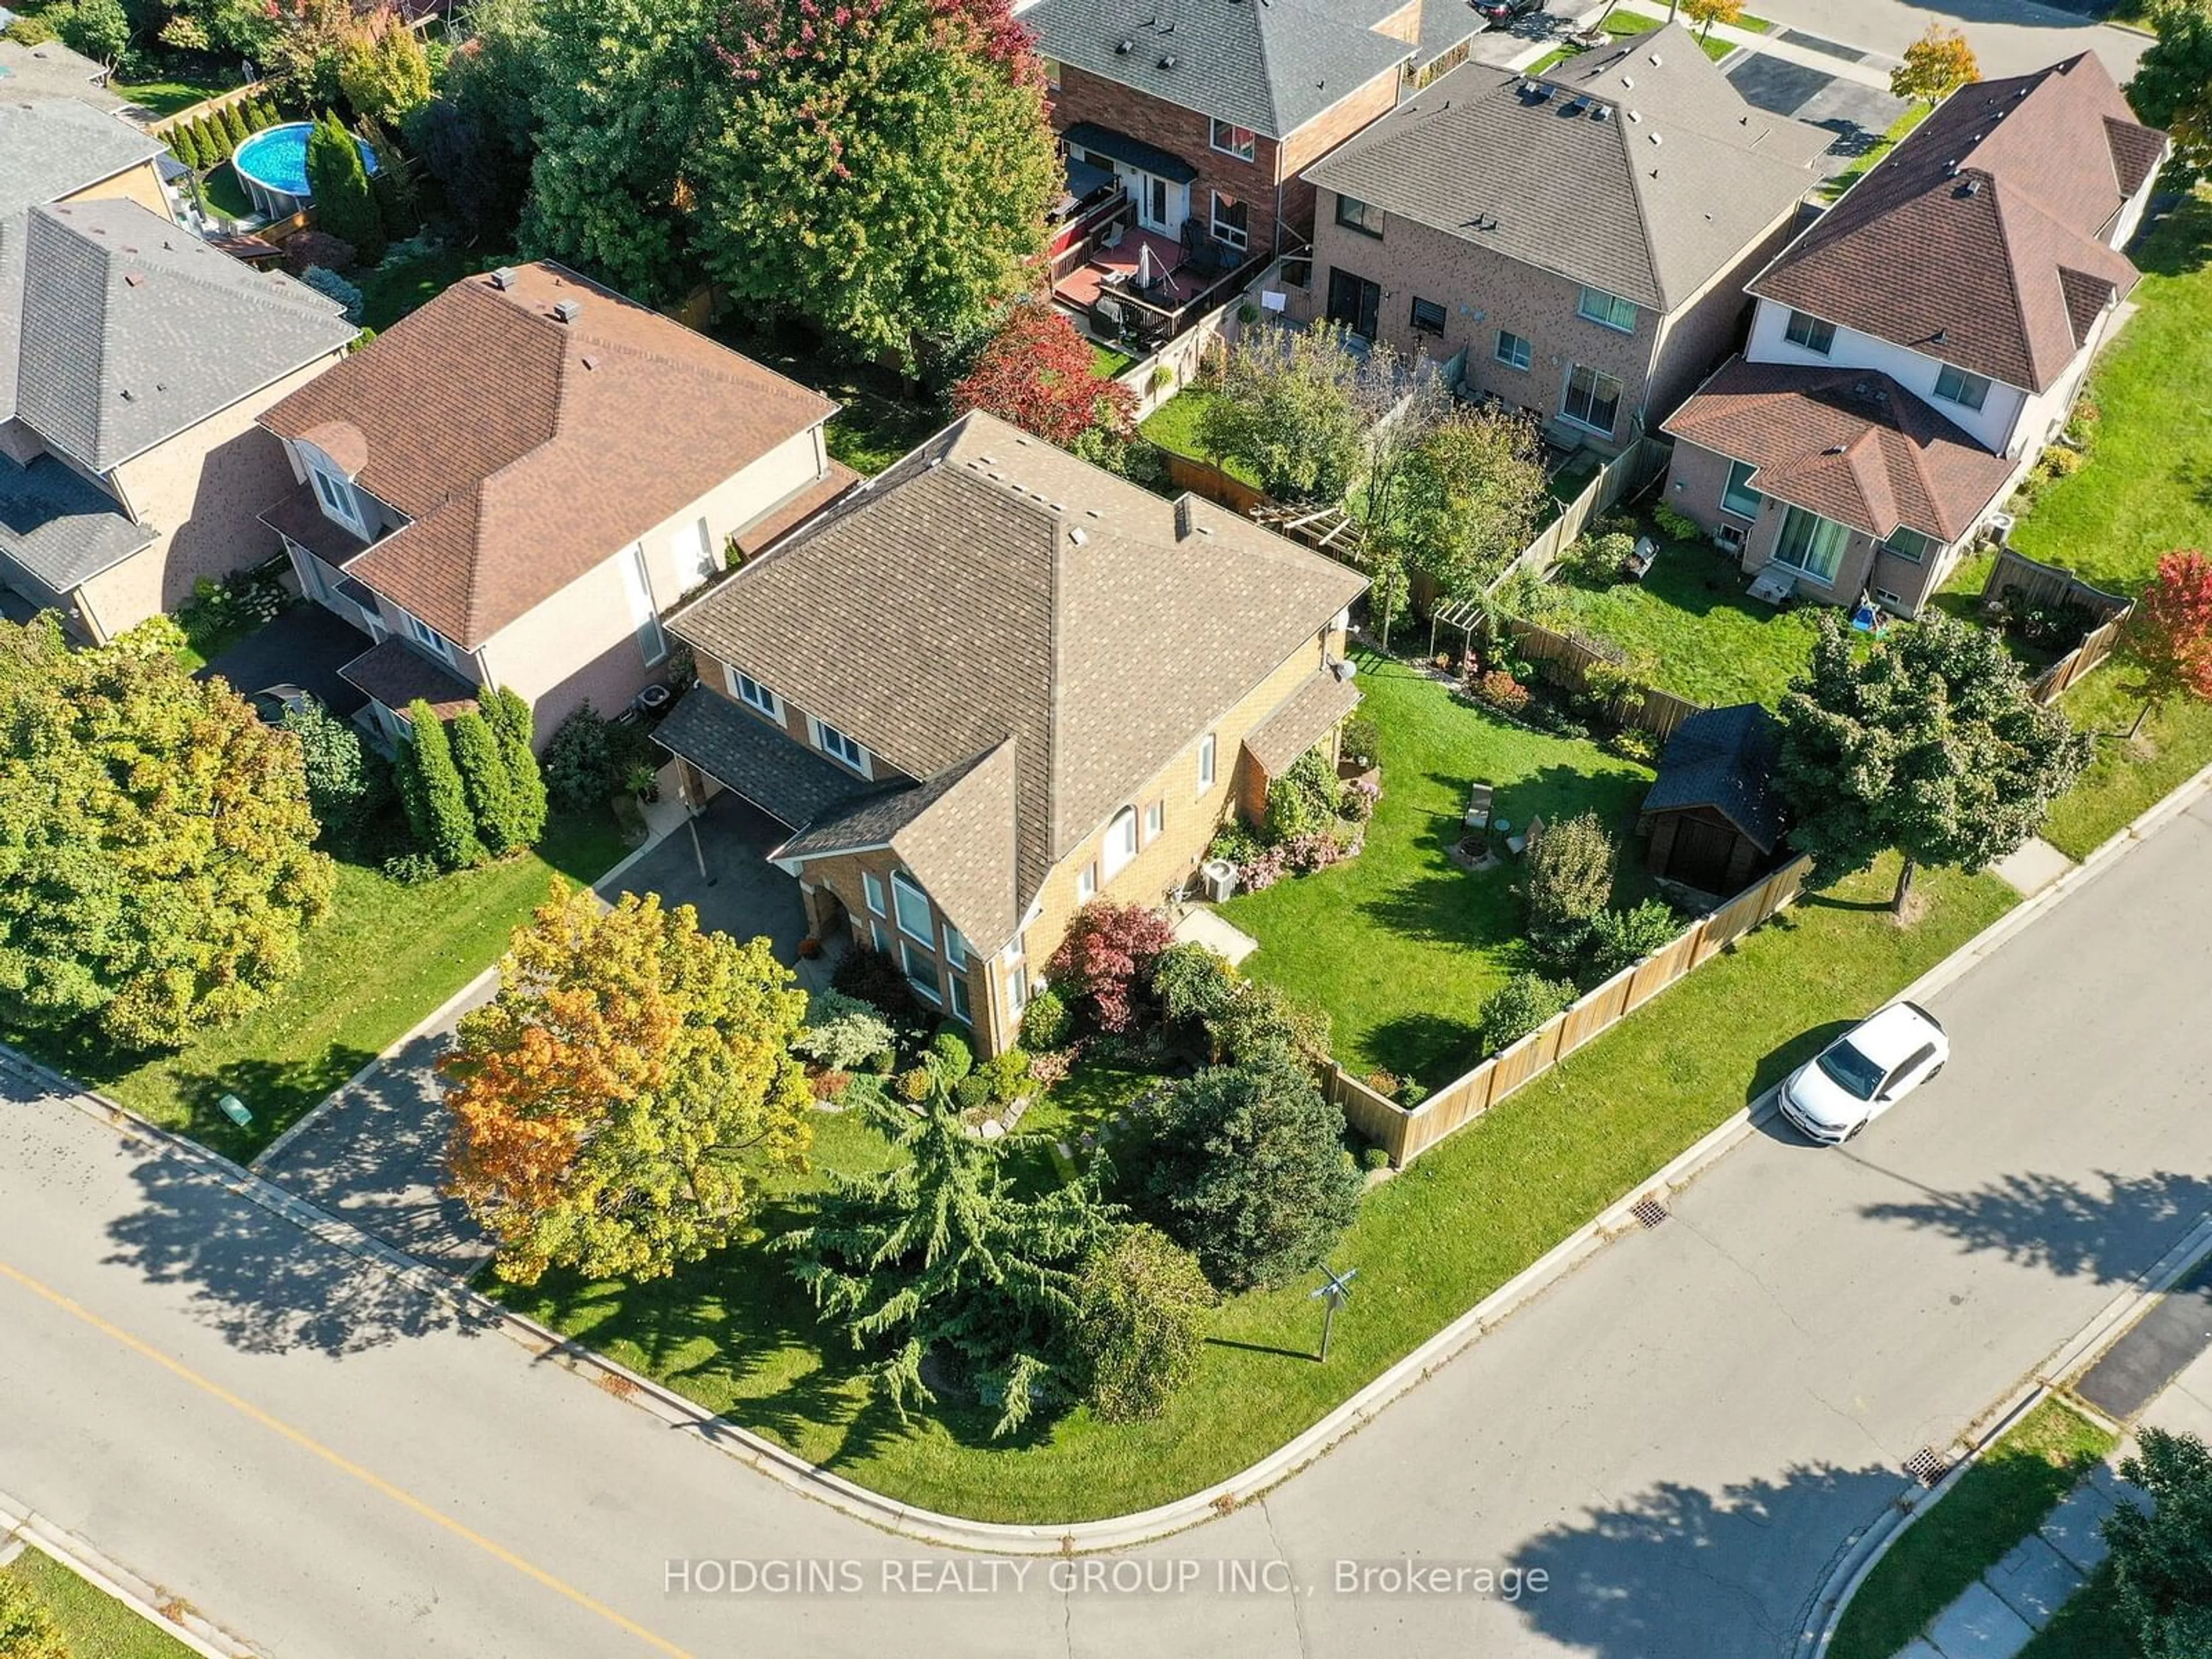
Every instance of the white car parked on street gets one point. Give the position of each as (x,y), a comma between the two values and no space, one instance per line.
(1865,1071)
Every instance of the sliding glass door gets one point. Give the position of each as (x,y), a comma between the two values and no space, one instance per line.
(1813,544)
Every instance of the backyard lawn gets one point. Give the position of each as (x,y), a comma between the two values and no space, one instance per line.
(222,193)
(1401,945)
(386,956)
(736,1334)
(1705,638)
(1174,425)
(880,421)
(401,285)
(93,1623)
(165,98)
(1998,1502)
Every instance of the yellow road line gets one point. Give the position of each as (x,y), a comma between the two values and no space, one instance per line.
(345,1465)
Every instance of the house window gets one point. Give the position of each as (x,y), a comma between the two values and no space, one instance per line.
(921,972)
(1086,882)
(1232,221)
(1593,398)
(427,636)
(1428,316)
(1955,386)
(750,692)
(645,616)
(1813,544)
(958,986)
(1051,72)
(835,744)
(1017,987)
(1156,819)
(1803,329)
(1233,140)
(1610,309)
(1355,215)
(880,939)
(339,499)
(956,946)
(1739,497)
(1154,201)
(1909,544)
(1120,840)
(873,884)
(1205,745)
(912,905)
(1512,350)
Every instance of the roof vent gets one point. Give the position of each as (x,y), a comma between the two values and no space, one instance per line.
(1629,82)
(503,278)
(1654,60)
(1636,115)
(1124,46)
(133,278)
(567,311)
(1075,535)
(588,361)
(1182,517)
(1167,60)
(1833,449)
(1601,113)
(1971,187)
(1655,138)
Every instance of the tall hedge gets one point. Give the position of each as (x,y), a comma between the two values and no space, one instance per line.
(436,799)
(509,718)
(484,780)
(184,146)
(345,207)
(214,141)
(233,124)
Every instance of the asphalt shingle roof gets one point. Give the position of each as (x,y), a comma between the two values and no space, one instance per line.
(523,450)
(1848,444)
(1271,65)
(56,147)
(1723,758)
(1981,238)
(131,329)
(791,783)
(993,603)
(1303,721)
(59,527)
(50,69)
(1640,169)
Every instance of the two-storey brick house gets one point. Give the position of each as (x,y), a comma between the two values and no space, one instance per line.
(1207,113)
(1915,350)
(997,681)
(1581,238)
(512,485)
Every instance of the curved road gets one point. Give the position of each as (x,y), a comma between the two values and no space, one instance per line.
(1678,1436)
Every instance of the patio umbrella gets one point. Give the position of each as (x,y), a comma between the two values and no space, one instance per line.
(1147,273)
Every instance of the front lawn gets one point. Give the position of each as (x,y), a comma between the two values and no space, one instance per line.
(1914,115)
(386,956)
(1401,945)
(2145,488)
(734,1333)
(94,1624)
(2129,776)
(1690,618)
(1999,1501)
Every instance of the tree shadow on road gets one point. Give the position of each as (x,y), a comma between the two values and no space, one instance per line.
(261,1281)
(2062,1225)
(1678,1570)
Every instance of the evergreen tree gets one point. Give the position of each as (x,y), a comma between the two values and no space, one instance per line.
(436,799)
(508,716)
(214,144)
(345,207)
(184,146)
(939,1257)
(483,780)
(233,124)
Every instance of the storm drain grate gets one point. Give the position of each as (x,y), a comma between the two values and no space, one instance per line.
(1927,1466)
(1648,1210)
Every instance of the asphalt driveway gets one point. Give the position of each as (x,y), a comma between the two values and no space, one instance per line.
(1857,114)
(375,1152)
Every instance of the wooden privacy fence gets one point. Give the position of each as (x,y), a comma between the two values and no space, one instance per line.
(2018,582)
(1405,1133)
(1202,478)
(1566,661)
(1624,475)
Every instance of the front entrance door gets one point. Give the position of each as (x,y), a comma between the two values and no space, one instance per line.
(1354,301)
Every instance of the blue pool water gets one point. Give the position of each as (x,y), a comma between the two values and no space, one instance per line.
(277,157)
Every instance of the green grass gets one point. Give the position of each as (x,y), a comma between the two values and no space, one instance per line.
(222,192)
(1621,23)
(881,419)
(1913,116)
(2127,777)
(1999,1501)
(2148,486)
(1401,945)
(1174,425)
(94,1624)
(2089,1625)
(385,957)
(1704,638)
(735,1334)
(1108,360)
(399,286)
(166,97)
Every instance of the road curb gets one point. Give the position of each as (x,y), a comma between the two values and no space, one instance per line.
(173,1617)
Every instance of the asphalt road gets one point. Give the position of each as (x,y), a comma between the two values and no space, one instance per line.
(1679,1436)
(2009,37)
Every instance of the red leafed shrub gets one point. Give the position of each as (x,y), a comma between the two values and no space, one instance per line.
(1501,691)
(1038,372)
(2170,635)
(1104,965)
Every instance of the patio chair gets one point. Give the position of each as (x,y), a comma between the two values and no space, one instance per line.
(1478,806)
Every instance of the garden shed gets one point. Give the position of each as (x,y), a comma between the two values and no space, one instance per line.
(1713,814)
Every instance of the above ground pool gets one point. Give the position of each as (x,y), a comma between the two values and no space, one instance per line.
(272,164)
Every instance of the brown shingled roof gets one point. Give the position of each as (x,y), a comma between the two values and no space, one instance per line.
(1846,443)
(1981,238)
(991,587)
(524,450)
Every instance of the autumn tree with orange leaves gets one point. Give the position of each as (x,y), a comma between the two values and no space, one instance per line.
(1041,374)
(2168,637)
(614,1104)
